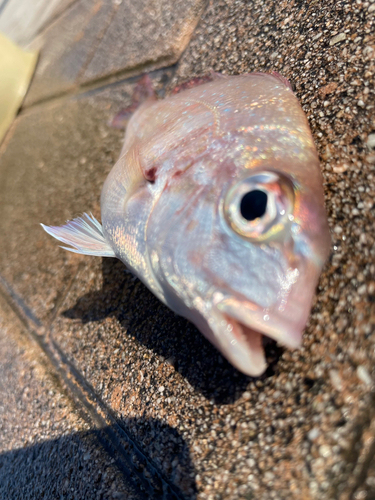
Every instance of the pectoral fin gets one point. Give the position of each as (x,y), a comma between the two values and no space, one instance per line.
(84,234)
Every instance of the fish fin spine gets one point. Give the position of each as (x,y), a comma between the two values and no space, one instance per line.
(84,234)
(197,81)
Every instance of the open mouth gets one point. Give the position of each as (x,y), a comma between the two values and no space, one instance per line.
(241,330)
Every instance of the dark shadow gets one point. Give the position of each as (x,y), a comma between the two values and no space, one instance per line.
(75,466)
(94,306)
(176,339)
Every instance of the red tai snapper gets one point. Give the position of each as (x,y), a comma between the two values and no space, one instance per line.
(216,204)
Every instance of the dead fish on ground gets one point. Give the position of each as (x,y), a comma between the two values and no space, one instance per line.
(216,204)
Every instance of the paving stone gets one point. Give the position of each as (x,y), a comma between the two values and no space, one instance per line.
(148,32)
(52,166)
(143,360)
(95,39)
(47,450)
(66,47)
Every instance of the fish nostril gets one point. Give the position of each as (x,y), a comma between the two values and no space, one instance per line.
(253,204)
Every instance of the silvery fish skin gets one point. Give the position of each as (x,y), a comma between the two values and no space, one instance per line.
(216,204)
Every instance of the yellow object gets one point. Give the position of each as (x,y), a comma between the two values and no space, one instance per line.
(16,70)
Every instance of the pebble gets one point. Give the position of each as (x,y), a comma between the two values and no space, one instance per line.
(340,169)
(336,380)
(363,375)
(338,38)
(325,451)
(370,143)
(313,434)
(362,289)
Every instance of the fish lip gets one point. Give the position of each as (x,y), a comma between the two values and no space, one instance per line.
(239,328)
(251,341)
(241,345)
(263,321)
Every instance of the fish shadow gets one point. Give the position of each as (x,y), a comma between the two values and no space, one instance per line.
(74,466)
(143,316)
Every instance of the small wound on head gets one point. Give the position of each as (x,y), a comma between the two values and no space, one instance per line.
(150,174)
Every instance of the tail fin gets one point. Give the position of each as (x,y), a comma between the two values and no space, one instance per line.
(84,234)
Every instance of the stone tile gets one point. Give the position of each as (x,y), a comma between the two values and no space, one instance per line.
(146,33)
(95,39)
(299,431)
(66,47)
(46,448)
(52,167)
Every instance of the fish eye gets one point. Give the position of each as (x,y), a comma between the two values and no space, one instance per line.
(259,207)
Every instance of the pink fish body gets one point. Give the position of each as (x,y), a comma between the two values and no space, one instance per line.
(216,204)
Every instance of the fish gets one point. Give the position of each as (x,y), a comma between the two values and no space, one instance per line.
(216,204)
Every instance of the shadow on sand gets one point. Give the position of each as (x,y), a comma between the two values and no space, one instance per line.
(74,466)
(153,324)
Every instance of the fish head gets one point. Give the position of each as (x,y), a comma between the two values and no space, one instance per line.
(239,240)
(273,243)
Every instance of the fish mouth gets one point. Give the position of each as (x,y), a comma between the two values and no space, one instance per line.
(239,329)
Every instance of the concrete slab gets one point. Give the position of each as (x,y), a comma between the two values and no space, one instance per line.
(293,423)
(66,47)
(46,448)
(148,33)
(94,40)
(52,166)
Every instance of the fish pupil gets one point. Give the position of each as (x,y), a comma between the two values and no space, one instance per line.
(253,204)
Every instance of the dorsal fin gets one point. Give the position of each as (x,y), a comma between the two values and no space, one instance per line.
(273,74)
(282,79)
(84,234)
(143,92)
